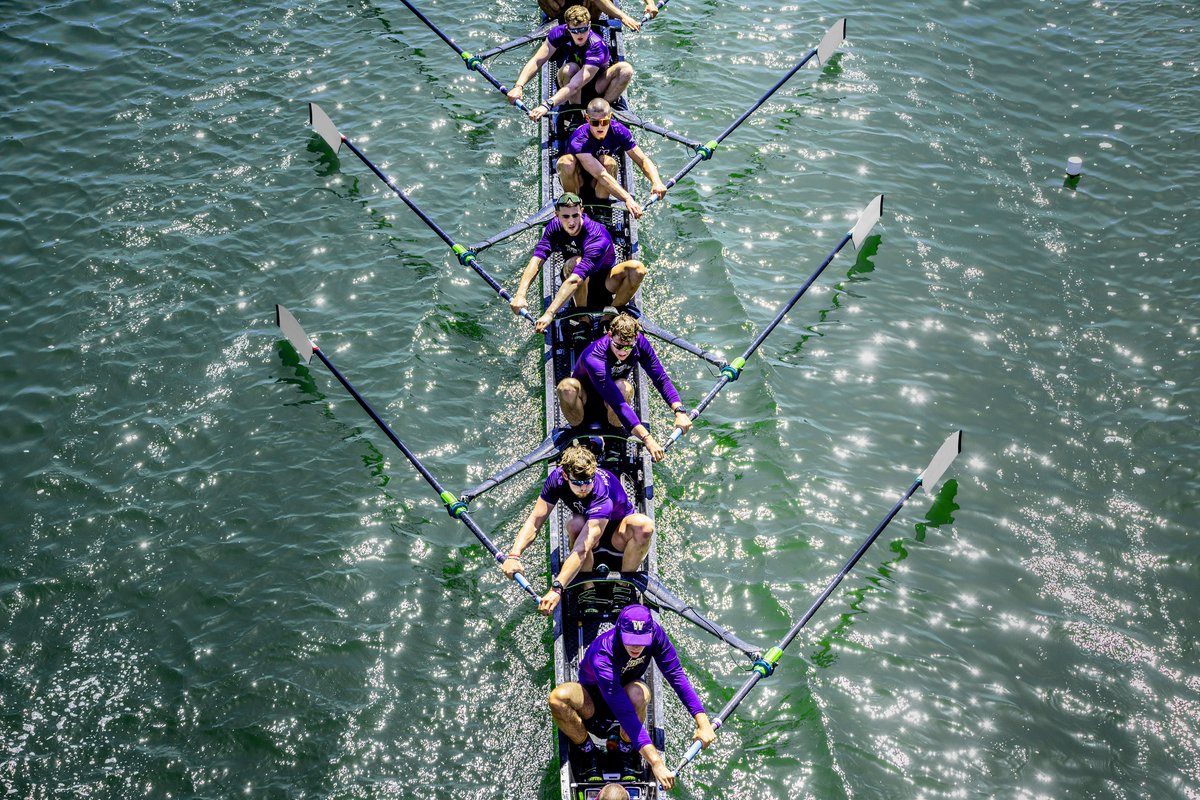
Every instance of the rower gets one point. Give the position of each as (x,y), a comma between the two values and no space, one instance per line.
(587,65)
(600,384)
(590,272)
(554,9)
(613,791)
(610,688)
(592,155)
(602,520)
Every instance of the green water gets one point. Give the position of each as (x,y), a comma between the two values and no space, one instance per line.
(217,578)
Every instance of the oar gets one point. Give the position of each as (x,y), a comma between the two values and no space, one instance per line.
(472,61)
(729,373)
(646,17)
(764,666)
(456,509)
(832,39)
(513,44)
(324,126)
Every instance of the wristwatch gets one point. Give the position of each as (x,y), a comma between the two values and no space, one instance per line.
(556,586)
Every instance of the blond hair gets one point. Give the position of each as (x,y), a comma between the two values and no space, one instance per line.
(625,326)
(578,462)
(576,16)
(613,791)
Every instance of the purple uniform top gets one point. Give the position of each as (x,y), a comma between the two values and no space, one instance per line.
(607,666)
(606,501)
(618,141)
(593,245)
(599,370)
(594,51)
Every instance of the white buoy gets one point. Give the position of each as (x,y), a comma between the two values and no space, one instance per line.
(1074,166)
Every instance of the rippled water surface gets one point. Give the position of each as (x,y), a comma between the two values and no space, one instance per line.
(218,578)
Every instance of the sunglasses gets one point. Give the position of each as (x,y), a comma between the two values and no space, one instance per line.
(599,123)
(621,347)
(575,482)
(583,29)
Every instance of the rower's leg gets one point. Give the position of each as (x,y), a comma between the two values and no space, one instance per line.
(633,539)
(581,294)
(575,526)
(571,397)
(613,419)
(639,695)
(611,166)
(612,82)
(565,73)
(570,706)
(552,8)
(569,173)
(623,281)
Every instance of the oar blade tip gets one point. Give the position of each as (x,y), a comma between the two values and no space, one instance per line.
(941,462)
(324,126)
(294,333)
(831,41)
(866,222)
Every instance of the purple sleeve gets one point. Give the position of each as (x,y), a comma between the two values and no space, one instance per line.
(555,38)
(654,368)
(595,258)
(622,707)
(625,141)
(545,245)
(597,52)
(578,139)
(552,485)
(595,366)
(668,663)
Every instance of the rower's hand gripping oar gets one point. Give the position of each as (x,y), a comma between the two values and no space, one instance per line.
(456,509)
(827,46)
(472,61)
(765,665)
(733,370)
(324,126)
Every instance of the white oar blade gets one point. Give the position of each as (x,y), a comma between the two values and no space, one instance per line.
(323,125)
(294,333)
(866,221)
(832,41)
(941,462)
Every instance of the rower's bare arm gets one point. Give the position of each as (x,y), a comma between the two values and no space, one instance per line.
(649,169)
(705,733)
(658,765)
(610,8)
(531,271)
(596,169)
(584,545)
(564,294)
(580,79)
(529,70)
(642,433)
(529,531)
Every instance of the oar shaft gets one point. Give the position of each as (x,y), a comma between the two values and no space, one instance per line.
(706,152)
(775,653)
(460,513)
(464,256)
(472,62)
(733,370)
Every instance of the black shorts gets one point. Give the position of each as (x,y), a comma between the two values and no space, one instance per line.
(600,722)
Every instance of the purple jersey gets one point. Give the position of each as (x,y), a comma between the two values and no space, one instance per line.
(618,141)
(593,245)
(599,370)
(606,501)
(607,666)
(594,51)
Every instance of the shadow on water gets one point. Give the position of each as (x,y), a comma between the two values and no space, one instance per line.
(858,273)
(939,513)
